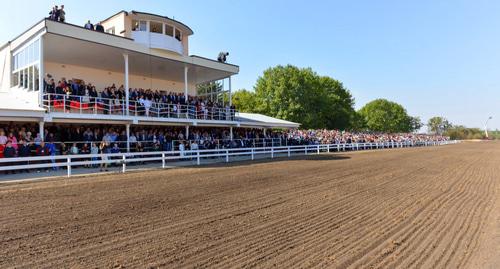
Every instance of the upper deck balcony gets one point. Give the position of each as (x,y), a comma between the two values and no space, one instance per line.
(152,31)
(158,41)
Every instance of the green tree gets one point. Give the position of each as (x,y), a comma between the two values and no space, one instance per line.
(358,122)
(438,125)
(382,115)
(300,95)
(337,107)
(416,123)
(212,91)
(244,100)
(462,132)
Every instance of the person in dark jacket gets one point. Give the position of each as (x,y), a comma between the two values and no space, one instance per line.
(9,152)
(99,27)
(24,151)
(43,151)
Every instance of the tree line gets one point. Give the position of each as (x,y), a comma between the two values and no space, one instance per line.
(440,125)
(317,102)
(321,102)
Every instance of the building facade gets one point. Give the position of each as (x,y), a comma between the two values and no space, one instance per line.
(137,50)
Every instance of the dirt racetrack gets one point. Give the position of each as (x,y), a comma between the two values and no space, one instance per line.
(434,207)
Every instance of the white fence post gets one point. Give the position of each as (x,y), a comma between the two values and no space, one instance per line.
(318,149)
(227,156)
(272,152)
(288,151)
(328,148)
(124,163)
(305,149)
(198,157)
(163,160)
(68,166)
(253,157)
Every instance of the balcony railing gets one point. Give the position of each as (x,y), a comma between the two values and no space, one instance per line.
(97,105)
(158,41)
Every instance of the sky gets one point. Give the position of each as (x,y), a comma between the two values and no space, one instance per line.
(436,58)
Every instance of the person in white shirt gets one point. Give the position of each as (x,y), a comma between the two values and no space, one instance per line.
(147,104)
(132,139)
(194,146)
(182,148)
(3,138)
(74,149)
(94,150)
(38,139)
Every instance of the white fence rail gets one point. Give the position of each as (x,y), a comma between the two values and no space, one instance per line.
(69,161)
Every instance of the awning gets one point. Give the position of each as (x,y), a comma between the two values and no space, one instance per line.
(250,120)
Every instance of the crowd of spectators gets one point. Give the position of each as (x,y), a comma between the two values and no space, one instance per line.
(57,14)
(143,102)
(70,140)
(24,140)
(307,137)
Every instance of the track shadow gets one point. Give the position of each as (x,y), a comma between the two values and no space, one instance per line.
(237,163)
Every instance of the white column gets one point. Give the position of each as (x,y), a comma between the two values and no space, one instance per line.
(128,136)
(230,94)
(41,73)
(231,132)
(186,82)
(41,130)
(125,56)
(187,132)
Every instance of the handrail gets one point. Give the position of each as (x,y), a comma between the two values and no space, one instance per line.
(180,155)
(97,105)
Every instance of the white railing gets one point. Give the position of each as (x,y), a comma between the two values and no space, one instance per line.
(69,161)
(158,41)
(98,105)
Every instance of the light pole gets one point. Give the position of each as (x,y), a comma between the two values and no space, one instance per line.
(486,126)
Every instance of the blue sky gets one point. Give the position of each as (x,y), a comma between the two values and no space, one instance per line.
(433,57)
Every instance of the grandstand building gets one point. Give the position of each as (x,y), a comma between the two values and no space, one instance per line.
(137,50)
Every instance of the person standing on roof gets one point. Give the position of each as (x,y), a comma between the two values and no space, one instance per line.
(62,14)
(89,25)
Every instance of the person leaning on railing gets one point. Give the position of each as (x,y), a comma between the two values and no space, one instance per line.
(42,151)
(105,149)
(9,152)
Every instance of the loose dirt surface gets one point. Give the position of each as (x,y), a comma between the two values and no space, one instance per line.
(405,208)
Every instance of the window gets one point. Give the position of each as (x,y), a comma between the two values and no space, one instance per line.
(36,75)
(156,27)
(139,26)
(111,30)
(31,51)
(15,79)
(16,58)
(23,79)
(36,46)
(30,78)
(169,30)
(178,35)
(26,64)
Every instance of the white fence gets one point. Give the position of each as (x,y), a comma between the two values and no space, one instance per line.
(69,161)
